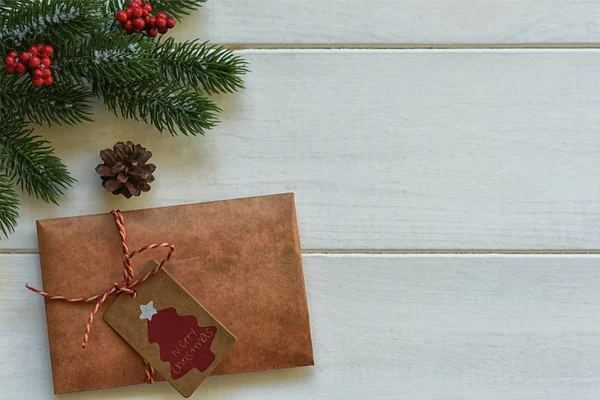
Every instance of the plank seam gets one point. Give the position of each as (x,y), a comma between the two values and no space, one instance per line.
(403,252)
(408,46)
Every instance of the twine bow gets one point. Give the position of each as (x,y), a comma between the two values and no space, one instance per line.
(127,286)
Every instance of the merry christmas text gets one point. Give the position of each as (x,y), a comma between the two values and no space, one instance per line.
(186,348)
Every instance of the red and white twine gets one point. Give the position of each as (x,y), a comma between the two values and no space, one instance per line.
(129,282)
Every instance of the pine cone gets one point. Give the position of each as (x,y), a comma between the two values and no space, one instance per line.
(125,170)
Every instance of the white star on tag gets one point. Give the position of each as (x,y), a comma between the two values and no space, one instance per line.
(148,311)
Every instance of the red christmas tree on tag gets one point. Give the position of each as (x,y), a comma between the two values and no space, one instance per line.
(182,342)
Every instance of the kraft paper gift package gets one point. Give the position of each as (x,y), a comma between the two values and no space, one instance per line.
(239,259)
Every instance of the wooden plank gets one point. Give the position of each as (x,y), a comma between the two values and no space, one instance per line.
(385,327)
(384,150)
(394,22)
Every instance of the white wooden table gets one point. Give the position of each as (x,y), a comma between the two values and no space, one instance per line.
(445,161)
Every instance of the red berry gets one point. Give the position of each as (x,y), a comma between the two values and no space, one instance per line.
(37,81)
(33,50)
(137,12)
(150,20)
(122,16)
(161,14)
(13,54)
(9,61)
(163,30)
(40,48)
(128,26)
(129,13)
(147,7)
(170,23)
(38,73)
(46,61)
(10,69)
(47,73)
(139,23)
(152,32)
(160,23)
(49,81)
(48,51)
(20,68)
(138,2)
(133,4)
(34,62)
(24,57)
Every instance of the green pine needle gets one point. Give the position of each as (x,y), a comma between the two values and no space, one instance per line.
(177,8)
(29,161)
(212,68)
(175,109)
(54,105)
(9,205)
(59,23)
(107,56)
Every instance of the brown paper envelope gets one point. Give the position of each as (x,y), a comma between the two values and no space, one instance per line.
(239,258)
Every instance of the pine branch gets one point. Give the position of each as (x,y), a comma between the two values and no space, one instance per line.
(174,8)
(212,68)
(107,56)
(56,22)
(168,108)
(177,8)
(57,104)
(9,205)
(29,161)
(158,82)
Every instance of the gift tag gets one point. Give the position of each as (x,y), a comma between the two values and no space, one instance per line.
(170,330)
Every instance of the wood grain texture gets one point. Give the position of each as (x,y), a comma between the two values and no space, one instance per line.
(385,327)
(394,22)
(383,149)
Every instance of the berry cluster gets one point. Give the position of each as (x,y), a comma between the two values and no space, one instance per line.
(137,18)
(36,59)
